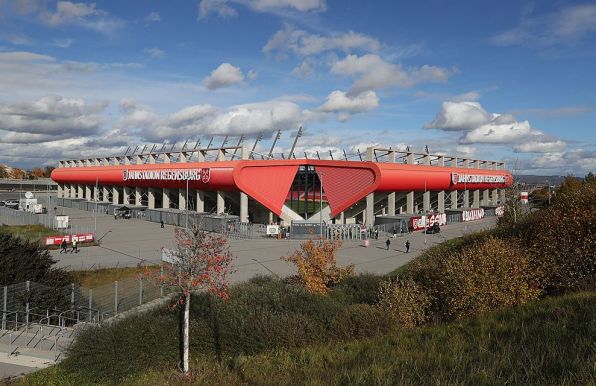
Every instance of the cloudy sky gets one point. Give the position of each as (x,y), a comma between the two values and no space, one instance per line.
(509,80)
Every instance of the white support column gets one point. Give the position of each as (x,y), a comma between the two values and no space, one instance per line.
(183,157)
(476,192)
(167,158)
(139,159)
(426,195)
(495,192)
(151,158)
(115,195)
(80,191)
(138,195)
(391,195)
(200,201)
(151,198)
(165,201)
(221,202)
(127,160)
(106,193)
(128,192)
(88,193)
(410,195)
(73,191)
(244,196)
(182,198)
(369,217)
(441,193)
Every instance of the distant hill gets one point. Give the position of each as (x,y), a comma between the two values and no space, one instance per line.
(531,179)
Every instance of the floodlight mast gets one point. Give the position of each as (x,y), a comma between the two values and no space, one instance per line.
(277,136)
(298,135)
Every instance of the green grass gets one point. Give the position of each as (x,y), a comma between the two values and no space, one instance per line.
(547,342)
(100,277)
(30,232)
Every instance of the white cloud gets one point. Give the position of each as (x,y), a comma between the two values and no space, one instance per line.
(376,73)
(81,14)
(50,118)
(304,70)
(251,75)
(339,102)
(302,43)
(153,17)
(62,43)
(458,116)
(219,7)
(464,97)
(223,9)
(541,145)
(479,126)
(224,75)
(465,151)
(569,24)
(17,39)
(155,52)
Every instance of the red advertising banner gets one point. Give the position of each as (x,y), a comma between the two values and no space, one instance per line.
(81,238)
(420,222)
(472,214)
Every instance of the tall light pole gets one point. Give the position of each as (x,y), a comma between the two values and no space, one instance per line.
(548,182)
(321,206)
(186,203)
(95,193)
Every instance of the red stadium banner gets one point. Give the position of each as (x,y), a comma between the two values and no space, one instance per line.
(81,238)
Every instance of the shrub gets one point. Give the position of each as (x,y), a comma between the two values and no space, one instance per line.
(361,288)
(488,275)
(564,237)
(405,302)
(317,266)
(358,321)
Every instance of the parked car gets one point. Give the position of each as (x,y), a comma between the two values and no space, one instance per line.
(2,203)
(435,228)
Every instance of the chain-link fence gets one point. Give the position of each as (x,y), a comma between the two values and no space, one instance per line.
(31,302)
(10,216)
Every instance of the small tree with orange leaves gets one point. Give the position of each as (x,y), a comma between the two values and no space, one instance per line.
(201,261)
(317,265)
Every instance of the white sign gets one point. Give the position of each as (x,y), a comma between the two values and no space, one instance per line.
(169,256)
(272,229)
(500,211)
(199,174)
(472,214)
(457,178)
(61,222)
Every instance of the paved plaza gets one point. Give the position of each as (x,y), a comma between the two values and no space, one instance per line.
(128,243)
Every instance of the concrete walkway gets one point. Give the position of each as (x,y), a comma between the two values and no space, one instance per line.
(128,243)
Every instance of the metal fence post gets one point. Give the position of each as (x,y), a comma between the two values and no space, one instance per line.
(161,285)
(116,298)
(90,302)
(4,308)
(27,305)
(140,291)
(72,296)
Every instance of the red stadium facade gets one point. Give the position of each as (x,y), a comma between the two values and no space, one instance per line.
(289,189)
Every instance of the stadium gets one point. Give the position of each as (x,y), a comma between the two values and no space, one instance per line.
(367,188)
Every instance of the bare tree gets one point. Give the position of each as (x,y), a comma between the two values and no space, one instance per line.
(200,261)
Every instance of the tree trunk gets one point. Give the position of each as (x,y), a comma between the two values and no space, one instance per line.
(185,334)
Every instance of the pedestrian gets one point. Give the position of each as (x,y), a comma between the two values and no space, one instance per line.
(63,246)
(407,244)
(74,246)
(115,216)
(161,223)
(394,232)
(388,243)
(376,234)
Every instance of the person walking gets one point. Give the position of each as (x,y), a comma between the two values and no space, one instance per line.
(161,223)
(74,246)
(63,246)
(388,243)
(407,244)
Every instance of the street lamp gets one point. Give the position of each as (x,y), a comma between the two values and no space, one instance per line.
(321,206)
(95,213)
(186,203)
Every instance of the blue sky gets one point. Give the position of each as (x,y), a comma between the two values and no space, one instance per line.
(510,80)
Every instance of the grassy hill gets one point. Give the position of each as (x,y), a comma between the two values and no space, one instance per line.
(546,342)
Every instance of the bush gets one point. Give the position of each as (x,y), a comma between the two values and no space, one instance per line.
(405,302)
(358,321)
(489,275)
(317,266)
(564,237)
